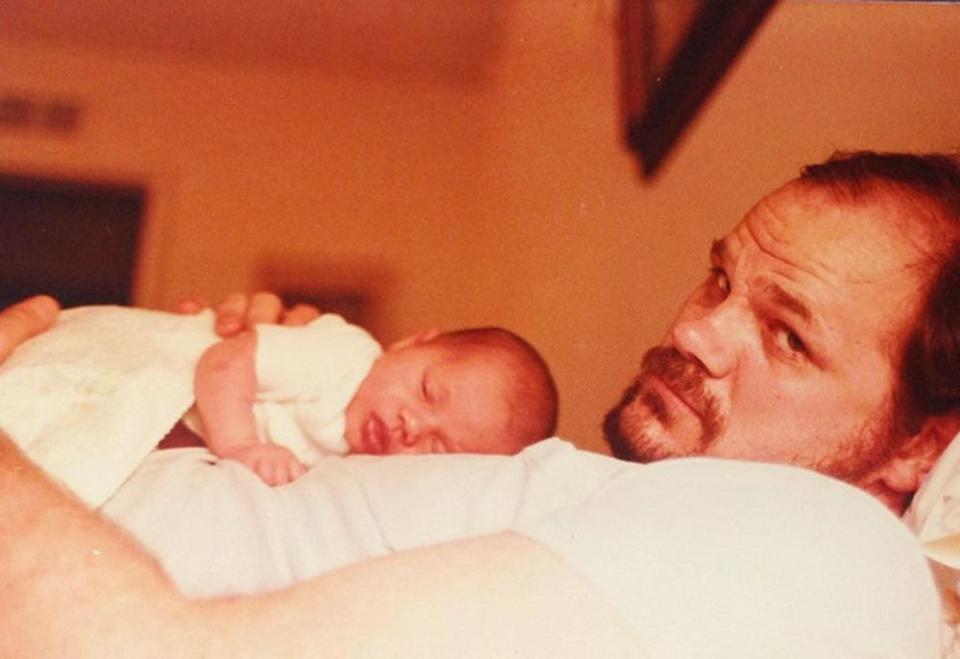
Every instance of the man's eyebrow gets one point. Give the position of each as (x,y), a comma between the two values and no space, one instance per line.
(788,301)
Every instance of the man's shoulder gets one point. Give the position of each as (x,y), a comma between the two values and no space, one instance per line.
(664,542)
(562,466)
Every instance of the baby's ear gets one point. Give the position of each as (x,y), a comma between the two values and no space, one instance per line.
(416,339)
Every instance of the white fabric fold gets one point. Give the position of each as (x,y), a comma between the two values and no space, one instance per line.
(90,399)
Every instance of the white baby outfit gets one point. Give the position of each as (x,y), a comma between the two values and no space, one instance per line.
(88,400)
(306,377)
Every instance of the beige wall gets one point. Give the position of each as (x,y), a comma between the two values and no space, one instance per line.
(507,199)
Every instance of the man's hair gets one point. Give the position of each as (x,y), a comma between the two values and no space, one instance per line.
(930,367)
(532,393)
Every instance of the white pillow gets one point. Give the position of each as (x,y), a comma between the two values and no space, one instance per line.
(934,515)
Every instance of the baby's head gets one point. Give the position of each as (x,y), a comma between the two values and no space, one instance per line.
(483,390)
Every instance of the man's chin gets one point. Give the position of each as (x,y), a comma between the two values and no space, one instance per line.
(640,430)
(633,442)
(639,445)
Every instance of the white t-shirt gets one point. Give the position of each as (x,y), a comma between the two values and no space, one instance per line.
(715,558)
(701,557)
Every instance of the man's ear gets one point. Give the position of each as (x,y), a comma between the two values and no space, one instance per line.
(909,466)
(416,339)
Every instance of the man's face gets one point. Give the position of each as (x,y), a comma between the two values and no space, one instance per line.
(786,352)
(424,398)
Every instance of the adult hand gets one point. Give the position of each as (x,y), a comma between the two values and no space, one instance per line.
(24,320)
(241,311)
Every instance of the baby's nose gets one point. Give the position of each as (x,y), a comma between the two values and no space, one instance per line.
(412,428)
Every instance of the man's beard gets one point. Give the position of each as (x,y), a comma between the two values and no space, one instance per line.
(624,425)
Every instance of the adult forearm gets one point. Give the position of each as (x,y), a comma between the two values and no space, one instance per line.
(491,596)
(74,585)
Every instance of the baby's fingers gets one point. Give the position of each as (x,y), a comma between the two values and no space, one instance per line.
(295,470)
(287,471)
(277,469)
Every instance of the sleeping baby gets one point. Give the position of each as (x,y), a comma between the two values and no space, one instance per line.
(278,397)
(91,398)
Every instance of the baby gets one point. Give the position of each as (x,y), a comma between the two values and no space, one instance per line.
(89,399)
(277,398)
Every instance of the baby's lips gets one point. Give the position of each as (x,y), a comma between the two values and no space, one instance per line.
(374,435)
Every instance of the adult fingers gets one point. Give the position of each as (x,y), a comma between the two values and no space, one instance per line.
(264,307)
(300,314)
(191,305)
(231,315)
(25,319)
(240,312)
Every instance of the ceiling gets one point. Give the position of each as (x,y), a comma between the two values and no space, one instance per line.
(451,39)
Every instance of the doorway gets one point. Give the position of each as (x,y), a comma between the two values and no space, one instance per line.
(76,241)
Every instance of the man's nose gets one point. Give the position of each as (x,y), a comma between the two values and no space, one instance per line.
(713,337)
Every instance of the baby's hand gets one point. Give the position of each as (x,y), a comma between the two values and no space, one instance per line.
(276,465)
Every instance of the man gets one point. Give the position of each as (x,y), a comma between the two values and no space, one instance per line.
(827,333)
(790,352)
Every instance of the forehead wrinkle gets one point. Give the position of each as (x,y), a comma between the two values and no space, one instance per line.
(837,275)
(823,264)
(765,239)
(799,269)
(899,220)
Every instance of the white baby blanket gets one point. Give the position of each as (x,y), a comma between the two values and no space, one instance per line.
(117,378)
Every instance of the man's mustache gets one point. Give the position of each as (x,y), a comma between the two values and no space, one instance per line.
(684,376)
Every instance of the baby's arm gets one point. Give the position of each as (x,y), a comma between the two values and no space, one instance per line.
(226,388)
